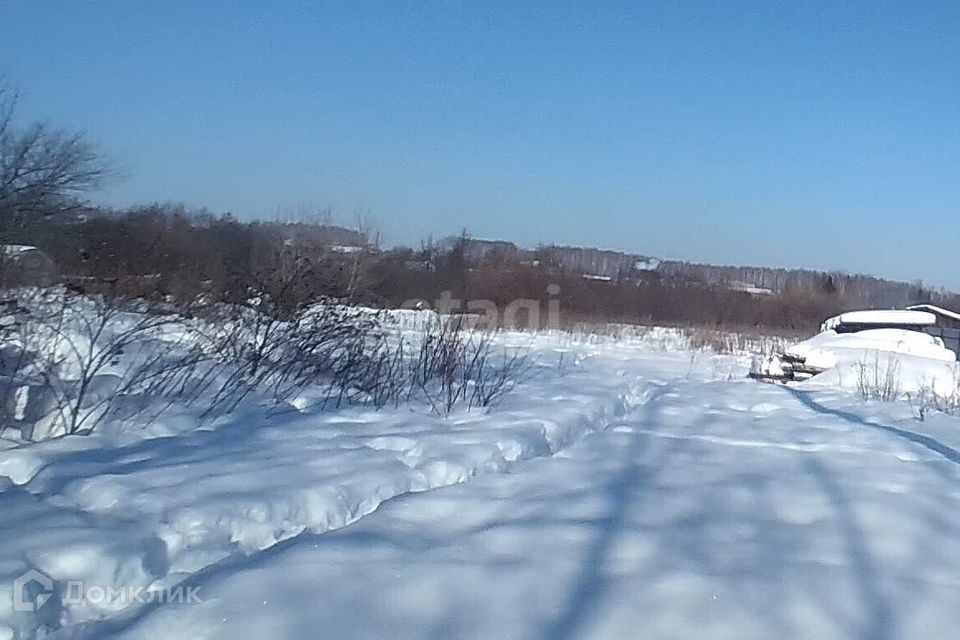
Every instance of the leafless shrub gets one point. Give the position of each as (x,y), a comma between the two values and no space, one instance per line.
(936,397)
(456,365)
(878,380)
(279,354)
(82,359)
(920,402)
(948,401)
(343,353)
(75,357)
(494,376)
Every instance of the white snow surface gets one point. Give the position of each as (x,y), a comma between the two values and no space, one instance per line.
(631,487)
(714,509)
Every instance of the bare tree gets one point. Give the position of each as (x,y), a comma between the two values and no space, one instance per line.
(43,170)
(359,269)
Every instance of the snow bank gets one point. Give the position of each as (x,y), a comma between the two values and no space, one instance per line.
(907,362)
(826,349)
(862,372)
(151,512)
(882,318)
(890,316)
(720,510)
(146,504)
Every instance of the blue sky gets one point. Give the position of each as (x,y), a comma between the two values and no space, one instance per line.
(820,134)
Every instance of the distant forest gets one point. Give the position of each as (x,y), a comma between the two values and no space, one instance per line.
(169,251)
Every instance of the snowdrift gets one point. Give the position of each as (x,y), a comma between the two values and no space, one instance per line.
(907,361)
(141,505)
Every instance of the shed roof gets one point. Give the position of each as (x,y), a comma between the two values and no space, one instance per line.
(882,318)
(940,311)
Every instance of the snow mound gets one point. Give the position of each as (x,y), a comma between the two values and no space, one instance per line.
(827,349)
(901,360)
(150,513)
(881,317)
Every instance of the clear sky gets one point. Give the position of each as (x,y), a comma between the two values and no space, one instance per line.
(821,134)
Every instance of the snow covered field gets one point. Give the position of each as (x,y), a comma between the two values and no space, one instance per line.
(632,487)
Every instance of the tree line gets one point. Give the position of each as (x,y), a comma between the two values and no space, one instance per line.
(170,251)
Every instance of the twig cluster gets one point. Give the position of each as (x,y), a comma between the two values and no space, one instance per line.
(70,361)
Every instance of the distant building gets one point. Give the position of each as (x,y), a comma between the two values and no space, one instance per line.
(26,266)
(855,321)
(752,289)
(947,327)
(477,251)
(601,263)
(925,318)
(328,237)
(945,318)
